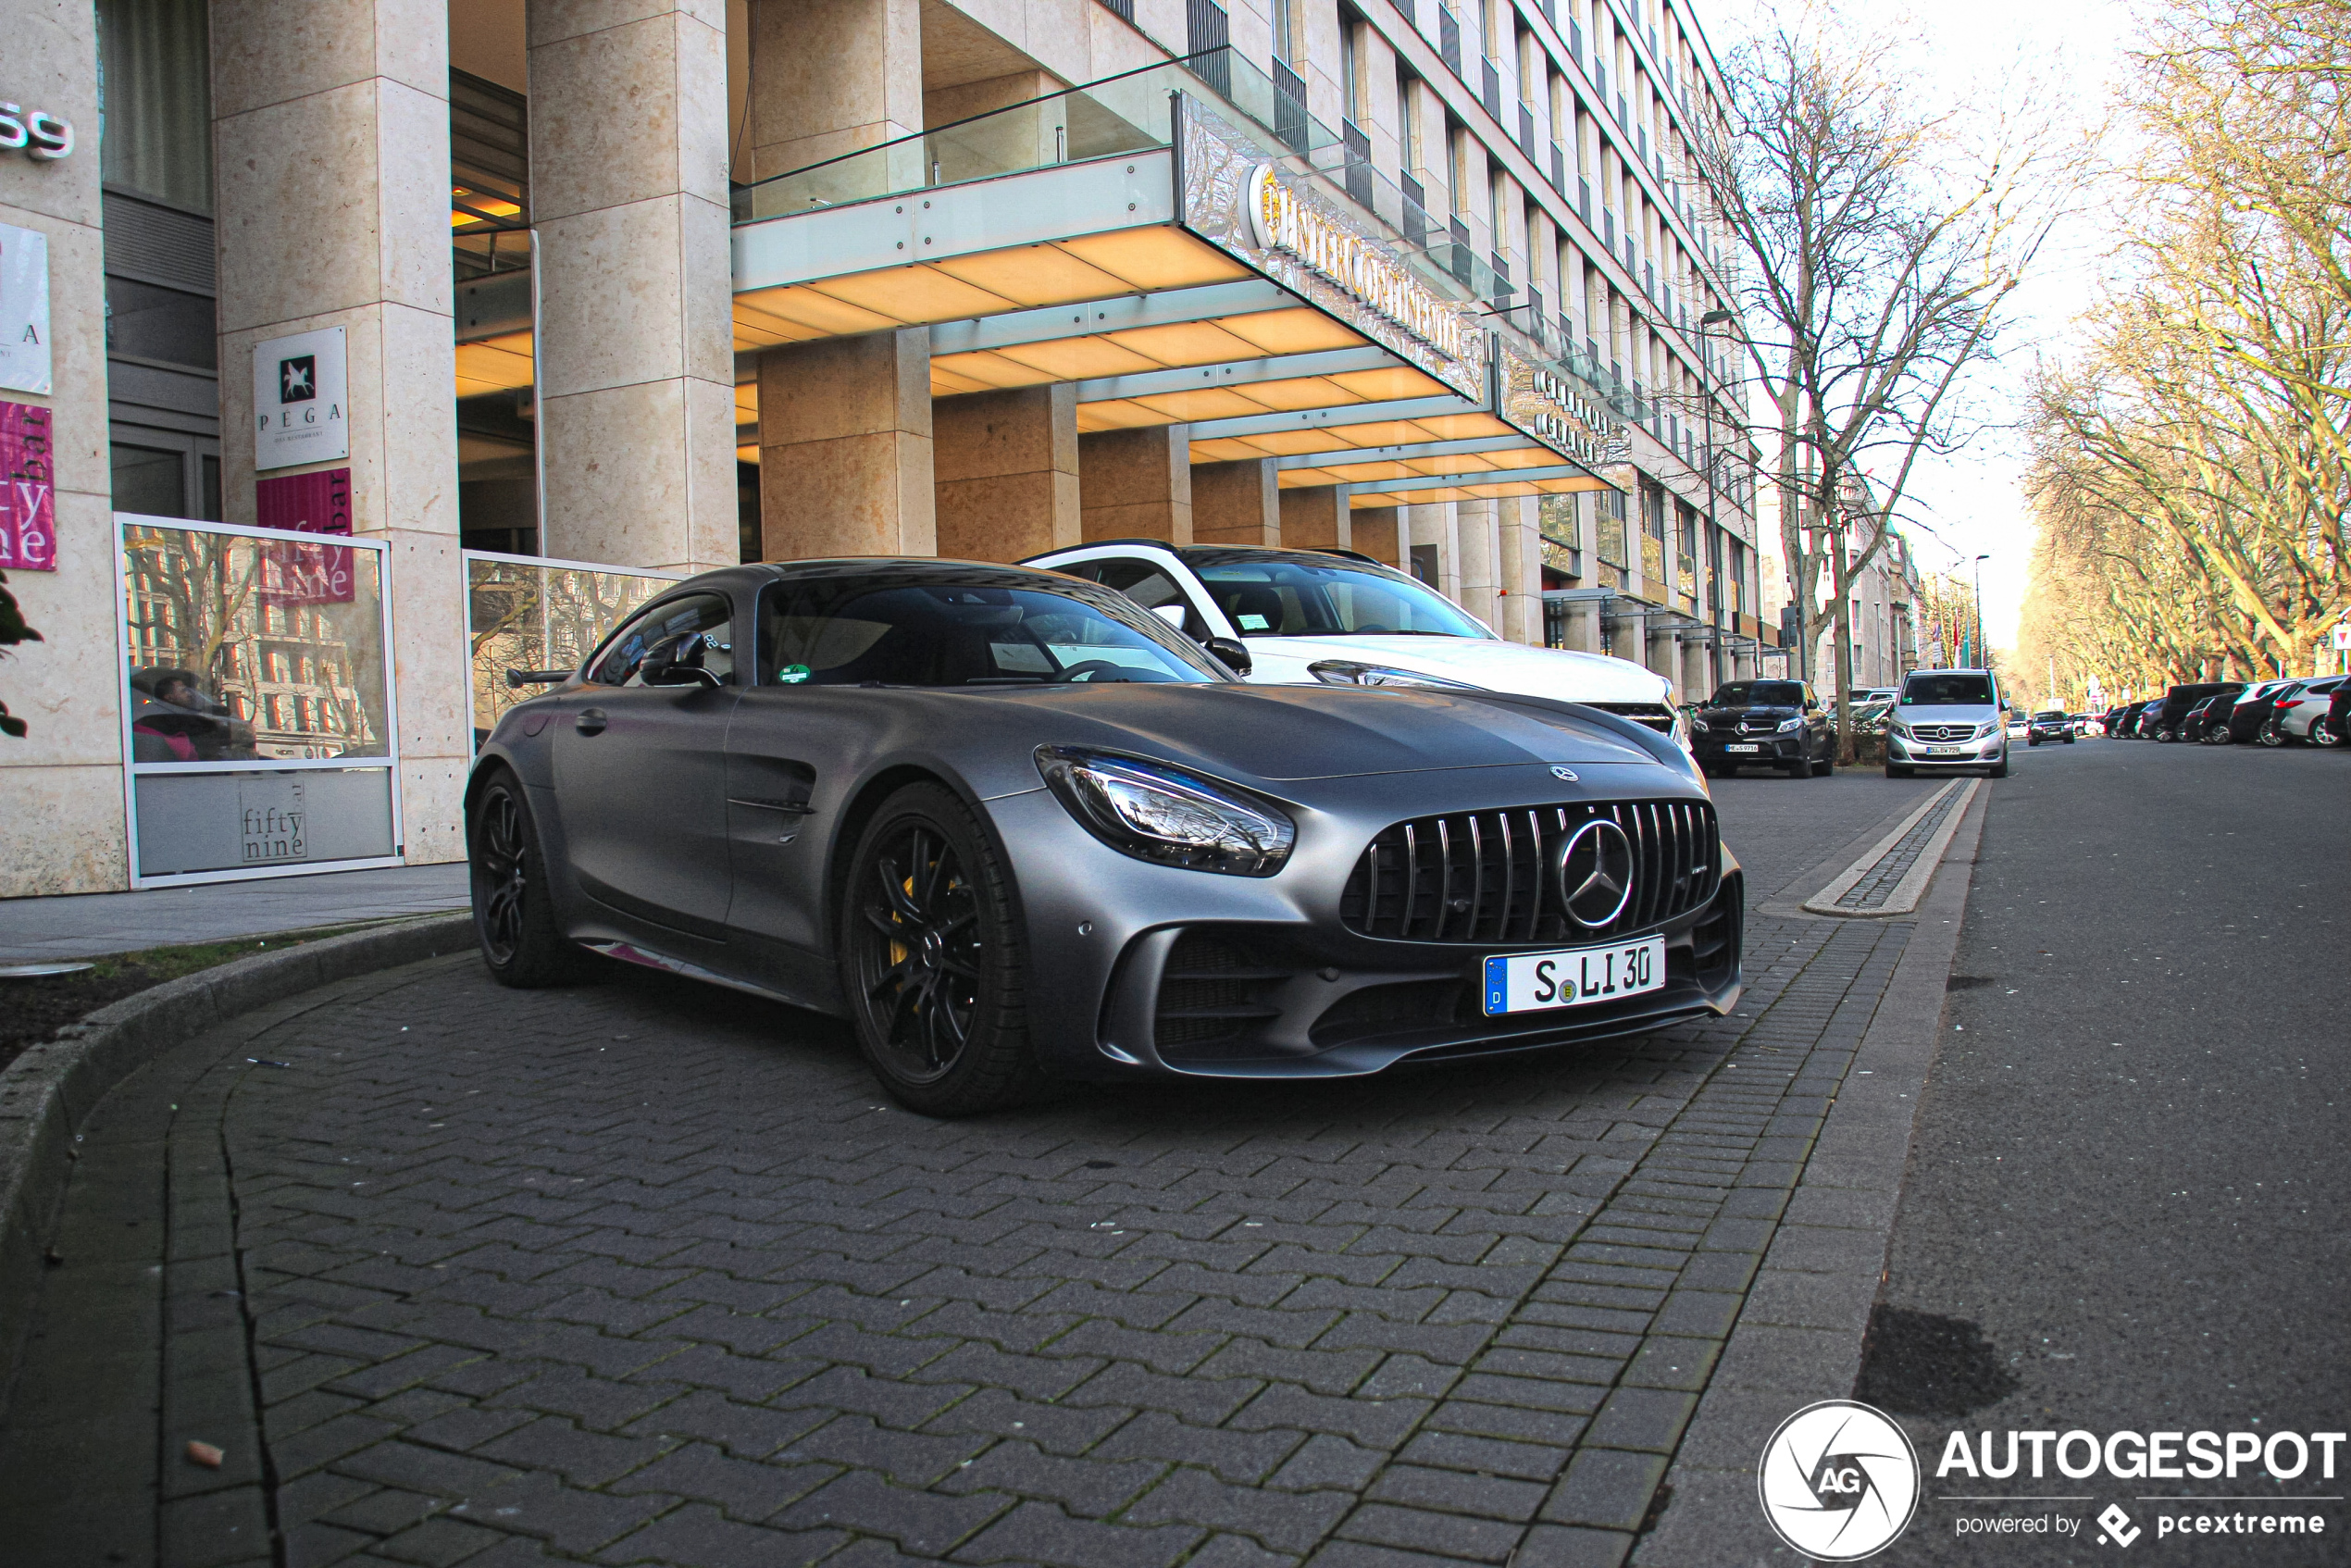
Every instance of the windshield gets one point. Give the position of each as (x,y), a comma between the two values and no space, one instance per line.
(849,632)
(1286,598)
(1760,694)
(1947,692)
(2053,714)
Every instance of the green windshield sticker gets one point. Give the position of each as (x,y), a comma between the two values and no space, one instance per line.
(792,675)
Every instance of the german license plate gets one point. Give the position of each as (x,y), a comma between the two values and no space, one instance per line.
(1749,746)
(1531,982)
(1945,751)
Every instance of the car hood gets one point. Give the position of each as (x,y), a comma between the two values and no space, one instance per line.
(1492,664)
(1734,714)
(1280,734)
(1917,714)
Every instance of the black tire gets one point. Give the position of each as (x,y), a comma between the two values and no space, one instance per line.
(2032,740)
(2069,740)
(1796,769)
(1824,768)
(514,912)
(942,1019)
(2271,735)
(1999,769)
(2322,733)
(1894,772)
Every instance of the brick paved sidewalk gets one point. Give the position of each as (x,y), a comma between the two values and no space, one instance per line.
(648,1272)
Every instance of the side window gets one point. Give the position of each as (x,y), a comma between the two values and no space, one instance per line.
(704,620)
(1149,584)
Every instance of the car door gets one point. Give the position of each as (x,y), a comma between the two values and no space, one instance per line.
(1819,729)
(641,769)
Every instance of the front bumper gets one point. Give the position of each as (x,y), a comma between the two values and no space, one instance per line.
(1973,753)
(1715,750)
(1141,971)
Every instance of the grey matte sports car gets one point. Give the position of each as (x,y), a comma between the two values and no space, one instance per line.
(1013,826)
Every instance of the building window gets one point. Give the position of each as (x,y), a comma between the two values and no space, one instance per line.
(156,97)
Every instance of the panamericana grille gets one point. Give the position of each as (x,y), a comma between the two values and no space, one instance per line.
(1943,734)
(1487,876)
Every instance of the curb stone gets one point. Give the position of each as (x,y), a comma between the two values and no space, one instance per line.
(1798,1336)
(46,1093)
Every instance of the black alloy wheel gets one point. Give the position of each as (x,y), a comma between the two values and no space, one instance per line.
(514,918)
(2271,735)
(931,960)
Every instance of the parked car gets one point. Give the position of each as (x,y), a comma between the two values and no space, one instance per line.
(2213,711)
(1013,826)
(1779,724)
(2019,724)
(2091,725)
(2246,711)
(1336,618)
(2339,716)
(2054,724)
(1948,718)
(2125,725)
(2294,718)
(2112,724)
(2171,713)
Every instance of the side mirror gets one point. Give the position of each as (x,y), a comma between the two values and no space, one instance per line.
(1229,650)
(660,666)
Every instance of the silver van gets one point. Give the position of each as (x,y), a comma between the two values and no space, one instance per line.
(1948,718)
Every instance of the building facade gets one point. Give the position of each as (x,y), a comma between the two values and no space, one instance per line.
(534,306)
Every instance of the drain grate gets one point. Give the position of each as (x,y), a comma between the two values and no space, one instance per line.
(1873,887)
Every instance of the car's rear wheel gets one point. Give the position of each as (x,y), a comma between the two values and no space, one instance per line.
(2322,733)
(514,913)
(1894,772)
(932,961)
(2271,735)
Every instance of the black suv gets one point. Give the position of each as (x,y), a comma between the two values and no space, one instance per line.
(1764,724)
(2166,724)
(2054,724)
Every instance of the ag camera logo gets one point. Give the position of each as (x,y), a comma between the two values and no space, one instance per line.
(1838,1481)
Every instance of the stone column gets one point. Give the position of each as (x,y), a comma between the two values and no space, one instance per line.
(845,447)
(829,77)
(1314,517)
(1481,547)
(1665,655)
(331,127)
(1697,677)
(1624,637)
(636,367)
(1377,534)
(1436,523)
(1236,503)
(64,778)
(1005,465)
(1584,626)
(1136,484)
(1521,574)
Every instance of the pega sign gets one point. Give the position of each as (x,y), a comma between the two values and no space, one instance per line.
(1283,219)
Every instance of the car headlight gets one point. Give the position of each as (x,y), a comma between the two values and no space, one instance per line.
(1346,672)
(1993,727)
(1698,725)
(1161,813)
(1789,726)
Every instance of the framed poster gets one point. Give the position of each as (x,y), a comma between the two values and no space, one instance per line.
(301,400)
(24,310)
(28,489)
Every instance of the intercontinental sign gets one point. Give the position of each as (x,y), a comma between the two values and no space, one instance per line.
(1233,197)
(1562,414)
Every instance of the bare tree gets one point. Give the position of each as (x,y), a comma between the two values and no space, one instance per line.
(1885,241)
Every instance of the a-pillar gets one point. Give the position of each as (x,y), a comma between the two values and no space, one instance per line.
(1006,469)
(845,447)
(1314,517)
(1481,547)
(1236,503)
(64,776)
(1376,530)
(336,120)
(636,407)
(1136,484)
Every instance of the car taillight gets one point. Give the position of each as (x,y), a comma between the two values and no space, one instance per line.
(2293,702)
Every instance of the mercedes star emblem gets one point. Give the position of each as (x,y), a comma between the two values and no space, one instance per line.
(1596,873)
(1564,774)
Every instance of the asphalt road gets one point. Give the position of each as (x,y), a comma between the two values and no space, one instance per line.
(2128,1188)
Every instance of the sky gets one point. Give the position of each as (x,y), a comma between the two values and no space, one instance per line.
(1972,502)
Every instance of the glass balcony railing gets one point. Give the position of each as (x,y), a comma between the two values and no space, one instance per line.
(1129,113)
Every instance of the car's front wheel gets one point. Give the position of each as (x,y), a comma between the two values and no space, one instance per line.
(932,962)
(514,913)
(2322,733)
(2000,769)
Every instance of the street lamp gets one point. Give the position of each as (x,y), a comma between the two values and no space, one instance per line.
(1714,318)
(1980,659)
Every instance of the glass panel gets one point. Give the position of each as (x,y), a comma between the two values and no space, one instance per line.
(157,99)
(255,821)
(527,615)
(148,480)
(253,647)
